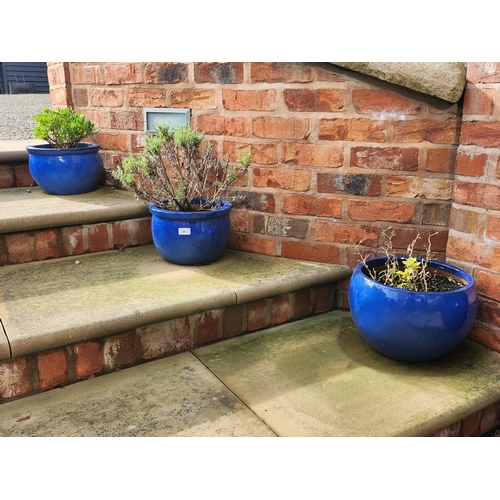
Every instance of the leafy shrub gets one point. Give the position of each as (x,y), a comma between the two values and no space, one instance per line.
(63,127)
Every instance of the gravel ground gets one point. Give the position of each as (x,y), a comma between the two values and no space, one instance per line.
(17,112)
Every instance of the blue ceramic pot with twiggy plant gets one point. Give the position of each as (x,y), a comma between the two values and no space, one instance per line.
(412,325)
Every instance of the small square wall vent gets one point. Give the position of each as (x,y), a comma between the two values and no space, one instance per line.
(163,116)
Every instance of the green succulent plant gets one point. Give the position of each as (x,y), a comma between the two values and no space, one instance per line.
(62,127)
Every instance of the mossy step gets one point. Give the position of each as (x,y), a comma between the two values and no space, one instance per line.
(314,377)
(59,302)
(29,209)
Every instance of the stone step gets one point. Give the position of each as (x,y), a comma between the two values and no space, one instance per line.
(314,377)
(36,226)
(67,319)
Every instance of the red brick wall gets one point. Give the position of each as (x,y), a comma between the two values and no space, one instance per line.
(336,157)
(474,241)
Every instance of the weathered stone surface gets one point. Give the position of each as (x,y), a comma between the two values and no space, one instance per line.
(445,80)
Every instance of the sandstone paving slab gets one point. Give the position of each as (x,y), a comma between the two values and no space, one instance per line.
(53,303)
(253,276)
(25,209)
(318,377)
(174,396)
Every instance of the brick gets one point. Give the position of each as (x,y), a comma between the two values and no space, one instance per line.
(284,227)
(20,248)
(258,314)
(351,184)
(383,101)
(436,214)
(474,252)
(302,303)
(249,100)
(488,312)
(469,425)
(269,72)
(247,243)
(281,128)
(477,194)
(488,284)
(334,232)
(58,75)
(478,101)
(193,98)
(143,235)
(153,340)
(6,177)
(15,378)
(329,254)
(319,100)
(119,350)
(209,327)
(281,178)
(450,431)
(46,246)
(262,154)
(81,97)
(240,221)
(234,320)
(108,98)
(381,211)
(52,369)
(123,233)
(472,164)
(420,187)
(87,75)
(99,237)
(223,73)
(166,73)
(72,239)
(126,120)
(88,359)
(22,176)
(437,132)
(486,134)
(493,227)
(312,155)
(488,417)
(464,220)
(404,236)
(258,202)
(119,74)
(113,141)
(352,129)
(222,125)
(385,158)
(301,204)
(324,297)
(281,311)
(328,75)
(180,336)
(486,336)
(440,160)
(146,97)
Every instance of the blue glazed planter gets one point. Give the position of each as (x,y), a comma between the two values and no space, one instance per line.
(65,171)
(412,326)
(190,238)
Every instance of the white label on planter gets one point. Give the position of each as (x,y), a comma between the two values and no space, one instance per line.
(184,231)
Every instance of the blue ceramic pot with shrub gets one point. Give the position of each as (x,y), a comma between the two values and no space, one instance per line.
(65,171)
(409,325)
(191,238)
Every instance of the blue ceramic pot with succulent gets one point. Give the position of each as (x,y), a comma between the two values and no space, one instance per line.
(64,165)
(411,324)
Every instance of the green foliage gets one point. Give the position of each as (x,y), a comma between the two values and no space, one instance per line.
(63,127)
(175,173)
(412,275)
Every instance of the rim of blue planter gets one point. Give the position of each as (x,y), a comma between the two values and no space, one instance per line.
(48,150)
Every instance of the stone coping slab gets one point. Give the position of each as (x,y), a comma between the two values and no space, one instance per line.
(15,151)
(318,377)
(58,302)
(314,377)
(28,209)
